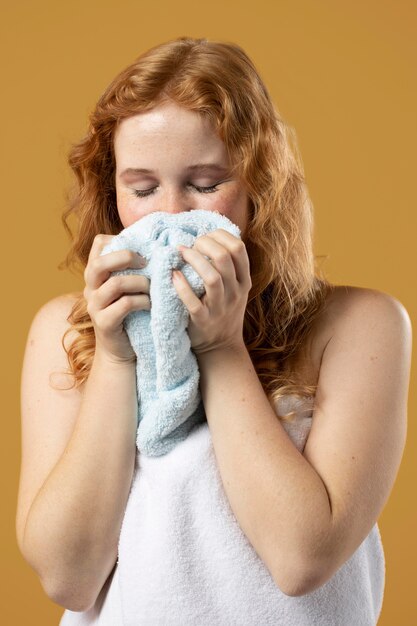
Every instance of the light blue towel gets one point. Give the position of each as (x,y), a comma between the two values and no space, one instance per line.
(167,375)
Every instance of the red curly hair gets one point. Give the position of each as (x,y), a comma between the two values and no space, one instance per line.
(217,80)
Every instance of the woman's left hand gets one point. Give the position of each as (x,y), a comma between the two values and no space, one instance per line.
(216,319)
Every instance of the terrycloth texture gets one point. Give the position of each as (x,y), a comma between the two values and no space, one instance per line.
(167,373)
(184,560)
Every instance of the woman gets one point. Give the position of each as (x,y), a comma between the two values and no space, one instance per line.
(190,125)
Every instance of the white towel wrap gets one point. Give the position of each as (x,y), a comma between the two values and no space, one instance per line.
(184,560)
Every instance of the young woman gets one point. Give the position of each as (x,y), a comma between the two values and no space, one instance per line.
(304,383)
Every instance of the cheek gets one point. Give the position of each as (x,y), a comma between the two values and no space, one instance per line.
(127,208)
(234,204)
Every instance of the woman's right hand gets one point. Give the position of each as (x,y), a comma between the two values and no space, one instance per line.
(111,298)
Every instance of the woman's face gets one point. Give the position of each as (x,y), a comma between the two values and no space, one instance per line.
(171,159)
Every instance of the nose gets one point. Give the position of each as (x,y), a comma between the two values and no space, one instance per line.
(176,200)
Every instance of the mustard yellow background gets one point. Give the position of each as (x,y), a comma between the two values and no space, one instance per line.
(341,73)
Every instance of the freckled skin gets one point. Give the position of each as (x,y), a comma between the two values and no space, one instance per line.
(167,140)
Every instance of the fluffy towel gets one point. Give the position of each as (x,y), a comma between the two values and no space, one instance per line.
(167,374)
(184,560)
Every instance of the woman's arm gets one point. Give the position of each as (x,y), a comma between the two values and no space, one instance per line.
(305,514)
(70,514)
(73,493)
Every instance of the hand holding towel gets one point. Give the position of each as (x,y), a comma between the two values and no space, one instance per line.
(167,375)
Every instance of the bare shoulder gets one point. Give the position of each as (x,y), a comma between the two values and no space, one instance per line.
(57,309)
(55,312)
(349,311)
(345,300)
(364,338)
(348,308)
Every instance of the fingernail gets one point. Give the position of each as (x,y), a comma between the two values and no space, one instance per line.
(142,260)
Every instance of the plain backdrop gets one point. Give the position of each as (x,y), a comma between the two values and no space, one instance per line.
(342,74)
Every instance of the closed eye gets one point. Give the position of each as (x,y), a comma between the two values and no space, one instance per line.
(143,193)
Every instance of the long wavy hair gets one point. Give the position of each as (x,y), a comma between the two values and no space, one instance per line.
(217,80)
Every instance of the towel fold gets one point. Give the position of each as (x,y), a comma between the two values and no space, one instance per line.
(167,375)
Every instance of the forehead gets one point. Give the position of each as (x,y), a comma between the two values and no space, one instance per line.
(165,121)
(167,136)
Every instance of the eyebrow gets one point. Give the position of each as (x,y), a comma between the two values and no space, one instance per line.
(199,167)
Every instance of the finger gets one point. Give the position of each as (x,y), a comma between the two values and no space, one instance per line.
(237,250)
(99,242)
(102,266)
(112,316)
(186,294)
(213,280)
(220,257)
(117,286)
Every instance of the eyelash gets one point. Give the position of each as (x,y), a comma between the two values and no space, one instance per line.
(147,192)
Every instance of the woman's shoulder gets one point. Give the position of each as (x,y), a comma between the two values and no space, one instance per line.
(346,303)
(54,313)
(348,309)
(61,298)
(60,303)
